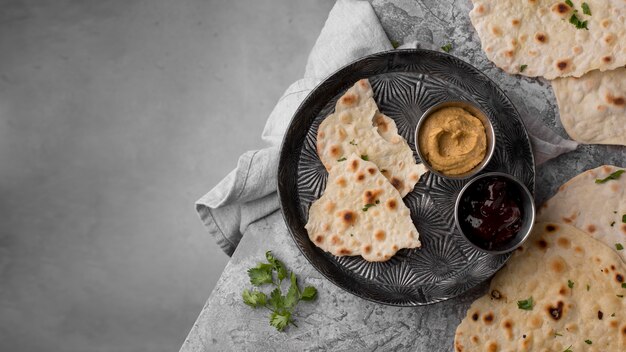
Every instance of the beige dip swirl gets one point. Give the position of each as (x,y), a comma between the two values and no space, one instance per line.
(453,141)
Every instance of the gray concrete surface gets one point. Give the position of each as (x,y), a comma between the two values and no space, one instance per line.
(115,116)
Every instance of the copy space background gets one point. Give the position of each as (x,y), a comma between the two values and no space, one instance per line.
(115,116)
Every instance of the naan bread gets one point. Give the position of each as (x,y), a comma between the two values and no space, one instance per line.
(538,33)
(360,213)
(358,127)
(593,107)
(597,209)
(562,317)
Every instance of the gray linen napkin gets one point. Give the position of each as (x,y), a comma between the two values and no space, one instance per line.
(248,193)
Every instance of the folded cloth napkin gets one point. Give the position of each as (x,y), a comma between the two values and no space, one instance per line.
(248,193)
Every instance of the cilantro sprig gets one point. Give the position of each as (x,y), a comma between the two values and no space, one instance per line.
(447,47)
(281,306)
(613,176)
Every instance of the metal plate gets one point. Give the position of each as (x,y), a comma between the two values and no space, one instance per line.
(405,84)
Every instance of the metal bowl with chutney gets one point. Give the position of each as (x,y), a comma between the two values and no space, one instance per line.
(455,139)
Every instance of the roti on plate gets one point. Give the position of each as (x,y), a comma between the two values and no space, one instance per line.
(550,38)
(562,290)
(360,213)
(593,107)
(595,208)
(358,127)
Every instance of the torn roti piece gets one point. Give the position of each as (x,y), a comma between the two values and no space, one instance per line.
(552,38)
(593,107)
(358,127)
(597,208)
(361,213)
(562,290)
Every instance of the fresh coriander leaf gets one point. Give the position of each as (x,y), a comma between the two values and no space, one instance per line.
(569,3)
(253,299)
(570,283)
(447,47)
(588,342)
(395,44)
(261,274)
(351,235)
(276,301)
(624,218)
(365,157)
(613,314)
(623,284)
(367,206)
(569,349)
(293,295)
(586,9)
(619,246)
(352,142)
(280,320)
(342,159)
(557,334)
(613,176)
(309,293)
(522,68)
(281,271)
(526,304)
(577,22)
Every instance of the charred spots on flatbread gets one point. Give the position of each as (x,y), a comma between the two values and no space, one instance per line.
(354,165)
(600,315)
(556,313)
(560,8)
(319,239)
(349,100)
(371,170)
(348,217)
(591,228)
(541,243)
(614,100)
(564,65)
(551,228)
(345,251)
(619,278)
(360,176)
(341,181)
(380,235)
(335,151)
(488,318)
(495,294)
(381,123)
(391,204)
(541,37)
(371,196)
(475,316)
(397,183)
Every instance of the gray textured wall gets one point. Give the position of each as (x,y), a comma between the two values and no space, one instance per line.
(115,116)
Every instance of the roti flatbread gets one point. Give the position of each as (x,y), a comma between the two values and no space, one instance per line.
(358,127)
(575,283)
(593,107)
(360,213)
(596,209)
(538,35)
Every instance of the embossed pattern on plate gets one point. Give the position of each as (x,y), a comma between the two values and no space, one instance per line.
(405,84)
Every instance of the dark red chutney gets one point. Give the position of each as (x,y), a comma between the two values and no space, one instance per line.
(490,212)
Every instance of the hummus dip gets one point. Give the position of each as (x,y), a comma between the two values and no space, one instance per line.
(452,140)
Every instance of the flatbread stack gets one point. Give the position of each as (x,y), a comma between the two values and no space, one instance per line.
(563,41)
(361,213)
(562,290)
(595,208)
(358,127)
(371,168)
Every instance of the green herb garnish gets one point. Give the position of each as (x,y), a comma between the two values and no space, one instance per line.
(569,3)
(281,306)
(352,142)
(613,176)
(588,342)
(586,9)
(365,157)
(613,223)
(342,159)
(557,334)
(522,68)
(624,218)
(395,44)
(623,284)
(569,349)
(526,304)
(570,283)
(367,206)
(578,23)
(613,314)
(619,246)
(447,47)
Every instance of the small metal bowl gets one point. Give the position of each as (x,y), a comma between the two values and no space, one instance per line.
(472,109)
(528,212)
